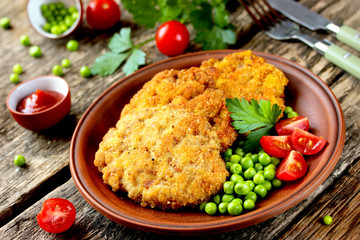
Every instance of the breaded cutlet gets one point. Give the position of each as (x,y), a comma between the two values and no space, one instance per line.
(163,157)
(245,75)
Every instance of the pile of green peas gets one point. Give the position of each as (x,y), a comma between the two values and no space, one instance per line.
(58,18)
(252,176)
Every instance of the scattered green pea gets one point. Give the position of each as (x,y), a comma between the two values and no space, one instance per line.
(288,110)
(19,160)
(35,51)
(25,40)
(85,71)
(327,219)
(276,182)
(65,63)
(249,204)
(72,45)
(57,70)
(235,208)
(267,184)
(5,23)
(17,68)
(14,78)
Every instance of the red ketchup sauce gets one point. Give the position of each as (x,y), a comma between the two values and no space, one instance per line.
(39,101)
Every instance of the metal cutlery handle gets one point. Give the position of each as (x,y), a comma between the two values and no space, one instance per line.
(340,57)
(346,35)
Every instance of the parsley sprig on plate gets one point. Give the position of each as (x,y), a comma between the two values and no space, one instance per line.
(255,119)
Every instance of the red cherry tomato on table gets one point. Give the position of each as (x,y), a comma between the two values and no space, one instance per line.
(172,38)
(307,143)
(57,215)
(286,126)
(102,14)
(276,146)
(292,167)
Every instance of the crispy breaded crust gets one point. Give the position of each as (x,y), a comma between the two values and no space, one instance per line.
(163,157)
(191,89)
(245,75)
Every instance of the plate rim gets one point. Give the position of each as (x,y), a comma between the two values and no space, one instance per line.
(216,225)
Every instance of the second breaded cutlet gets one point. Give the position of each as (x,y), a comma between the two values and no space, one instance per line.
(245,75)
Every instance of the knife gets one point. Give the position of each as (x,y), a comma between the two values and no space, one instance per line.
(313,21)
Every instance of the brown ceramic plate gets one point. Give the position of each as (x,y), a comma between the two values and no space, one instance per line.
(306,93)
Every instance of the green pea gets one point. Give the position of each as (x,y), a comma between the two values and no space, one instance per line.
(14,78)
(235,208)
(235,158)
(202,206)
(264,159)
(292,114)
(19,160)
(255,158)
(85,71)
(5,23)
(249,204)
(223,207)
(248,155)
(267,185)
(258,167)
(57,70)
(227,198)
(251,195)
(55,30)
(74,15)
(269,174)
(275,161)
(228,152)
(236,178)
(246,162)
(251,184)
(69,21)
(65,63)
(260,190)
(242,188)
(270,166)
(17,68)
(210,208)
(288,110)
(228,165)
(35,51)
(217,199)
(72,45)
(239,152)
(276,182)
(25,40)
(72,9)
(47,27)
(238,200)
(259,178)
(249,173)
(229,187)
(327,219)
(235,168)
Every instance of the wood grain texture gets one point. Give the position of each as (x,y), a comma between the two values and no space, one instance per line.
(46,174)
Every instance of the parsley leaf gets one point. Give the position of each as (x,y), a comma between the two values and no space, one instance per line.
(107,63)
(216,38)
(145,12)
(137,58)
(255,118)
(121,42)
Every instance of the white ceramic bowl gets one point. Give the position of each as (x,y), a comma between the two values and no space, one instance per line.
(48,117)
(38,21)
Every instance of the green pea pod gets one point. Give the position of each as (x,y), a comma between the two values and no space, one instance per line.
(349,36)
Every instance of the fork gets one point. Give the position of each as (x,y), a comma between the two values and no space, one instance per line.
(279,28)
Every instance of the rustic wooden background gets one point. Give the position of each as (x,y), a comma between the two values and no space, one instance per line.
(23,190)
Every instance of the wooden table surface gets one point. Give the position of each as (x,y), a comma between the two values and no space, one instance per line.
(46,175)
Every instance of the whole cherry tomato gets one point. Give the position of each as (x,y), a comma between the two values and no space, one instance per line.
(57,215)
(172,38)
(307,143)
(286,126)
(276,146)
(292,167)
(102,14)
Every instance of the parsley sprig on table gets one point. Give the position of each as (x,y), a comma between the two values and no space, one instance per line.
(255,119)
(121,48)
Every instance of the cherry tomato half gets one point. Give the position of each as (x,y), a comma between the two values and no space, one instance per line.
(292,167)
(307,143)
(172,38)
(102,14)
(57,215)
(286,126)
(276,146)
